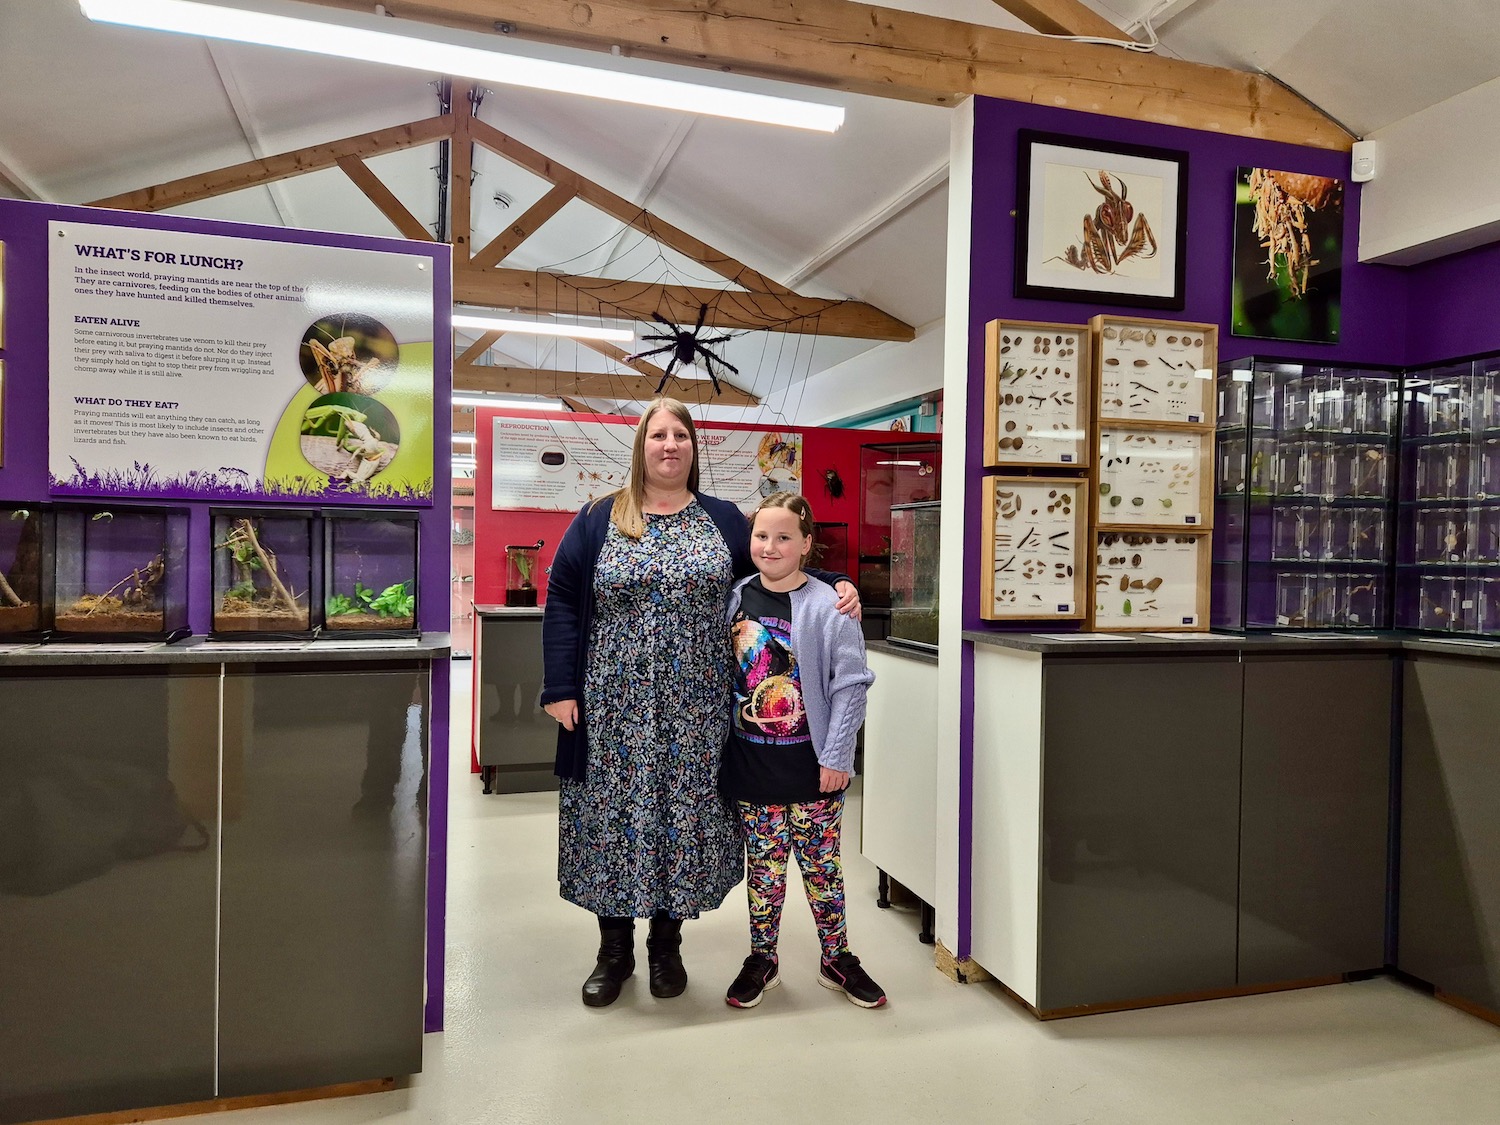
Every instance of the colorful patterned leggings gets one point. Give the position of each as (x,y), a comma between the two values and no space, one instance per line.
(812,832)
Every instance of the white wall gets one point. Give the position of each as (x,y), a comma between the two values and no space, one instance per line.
(883,375)
(1437,190)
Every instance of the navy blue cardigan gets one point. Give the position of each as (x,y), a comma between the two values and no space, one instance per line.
(568,616)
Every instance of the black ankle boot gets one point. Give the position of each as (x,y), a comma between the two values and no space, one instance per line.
(616,962)
(664,957)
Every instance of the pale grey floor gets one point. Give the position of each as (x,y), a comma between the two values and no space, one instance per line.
(519,1046)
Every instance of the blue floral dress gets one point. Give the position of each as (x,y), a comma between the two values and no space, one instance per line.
(646,830)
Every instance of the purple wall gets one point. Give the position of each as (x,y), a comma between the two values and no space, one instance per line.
(1454,306)
(1374,297)
(23,229)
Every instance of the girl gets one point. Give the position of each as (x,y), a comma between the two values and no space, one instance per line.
(800,682)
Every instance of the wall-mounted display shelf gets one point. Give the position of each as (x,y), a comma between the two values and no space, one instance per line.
(1035,529)
(1151,581)
(1154,478)
(1448,562)
(1037,385)
(1154,370)
(1305,495)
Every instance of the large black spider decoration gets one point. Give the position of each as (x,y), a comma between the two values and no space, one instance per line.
(685,345)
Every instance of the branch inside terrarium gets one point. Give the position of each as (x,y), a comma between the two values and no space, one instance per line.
(244,538)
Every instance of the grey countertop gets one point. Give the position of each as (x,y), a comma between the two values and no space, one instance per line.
(199,650)
(1179,644)
(906,652)
(523,612)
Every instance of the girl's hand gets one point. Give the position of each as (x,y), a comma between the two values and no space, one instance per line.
(564,711)
(832,781)
(848,602)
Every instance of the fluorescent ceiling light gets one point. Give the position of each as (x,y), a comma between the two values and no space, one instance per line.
(542,328)
(504,403)
(410,44)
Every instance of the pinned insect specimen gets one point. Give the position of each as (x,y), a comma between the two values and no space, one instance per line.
(1109,236)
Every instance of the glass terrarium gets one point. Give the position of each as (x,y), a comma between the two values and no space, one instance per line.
(121,573)
(370,573)
(1448,566)
(25,571)
(831,548)
(521,563)
(891,473)
(914,572)
(262,572)
(1305,495)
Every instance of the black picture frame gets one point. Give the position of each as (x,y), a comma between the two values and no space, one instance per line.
(1053,260)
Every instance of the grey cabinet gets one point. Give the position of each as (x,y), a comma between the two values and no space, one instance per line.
(108,812)
(1140,798)
(516,739)
(1449,932)
(324,877)
(1314,816)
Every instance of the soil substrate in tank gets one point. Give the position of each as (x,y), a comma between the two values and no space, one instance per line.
(368,622)
(76,620)
(19,618)
(235,616)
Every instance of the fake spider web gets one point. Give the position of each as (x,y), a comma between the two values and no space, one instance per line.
(773,360)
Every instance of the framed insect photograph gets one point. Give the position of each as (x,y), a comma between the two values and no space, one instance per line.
(1037,383)
(1288,256)
(1035,536)
(1100,222)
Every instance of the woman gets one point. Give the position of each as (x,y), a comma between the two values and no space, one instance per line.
(638,674)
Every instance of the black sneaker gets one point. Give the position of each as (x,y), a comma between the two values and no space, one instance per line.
(758,975)
(844,974)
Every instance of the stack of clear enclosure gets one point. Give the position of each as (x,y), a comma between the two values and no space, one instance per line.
(1448,568)
(121,573)
(1304,496)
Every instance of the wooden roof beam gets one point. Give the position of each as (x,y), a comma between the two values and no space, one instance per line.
(1062,17)
(847,45)
(505,243)
(618,207)
(601,297)
(485,379)
(252,173)
(384,199)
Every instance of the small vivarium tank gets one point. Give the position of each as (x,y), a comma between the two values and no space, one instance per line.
(121,573)
(370,574)
(262,572)
(25,571)
(914,572)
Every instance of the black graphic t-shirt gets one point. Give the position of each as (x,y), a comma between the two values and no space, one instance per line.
(770,758)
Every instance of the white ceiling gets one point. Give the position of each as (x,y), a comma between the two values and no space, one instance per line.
(87,111)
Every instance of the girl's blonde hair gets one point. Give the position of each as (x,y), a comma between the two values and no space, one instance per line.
(626,509)
(792,502)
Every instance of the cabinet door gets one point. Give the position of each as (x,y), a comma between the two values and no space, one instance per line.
(324,877)
(1140,822)
(515,735)
(1314,817)
(108,870)
(1449,930)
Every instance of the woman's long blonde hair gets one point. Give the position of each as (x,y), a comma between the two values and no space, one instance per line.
(626,510)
